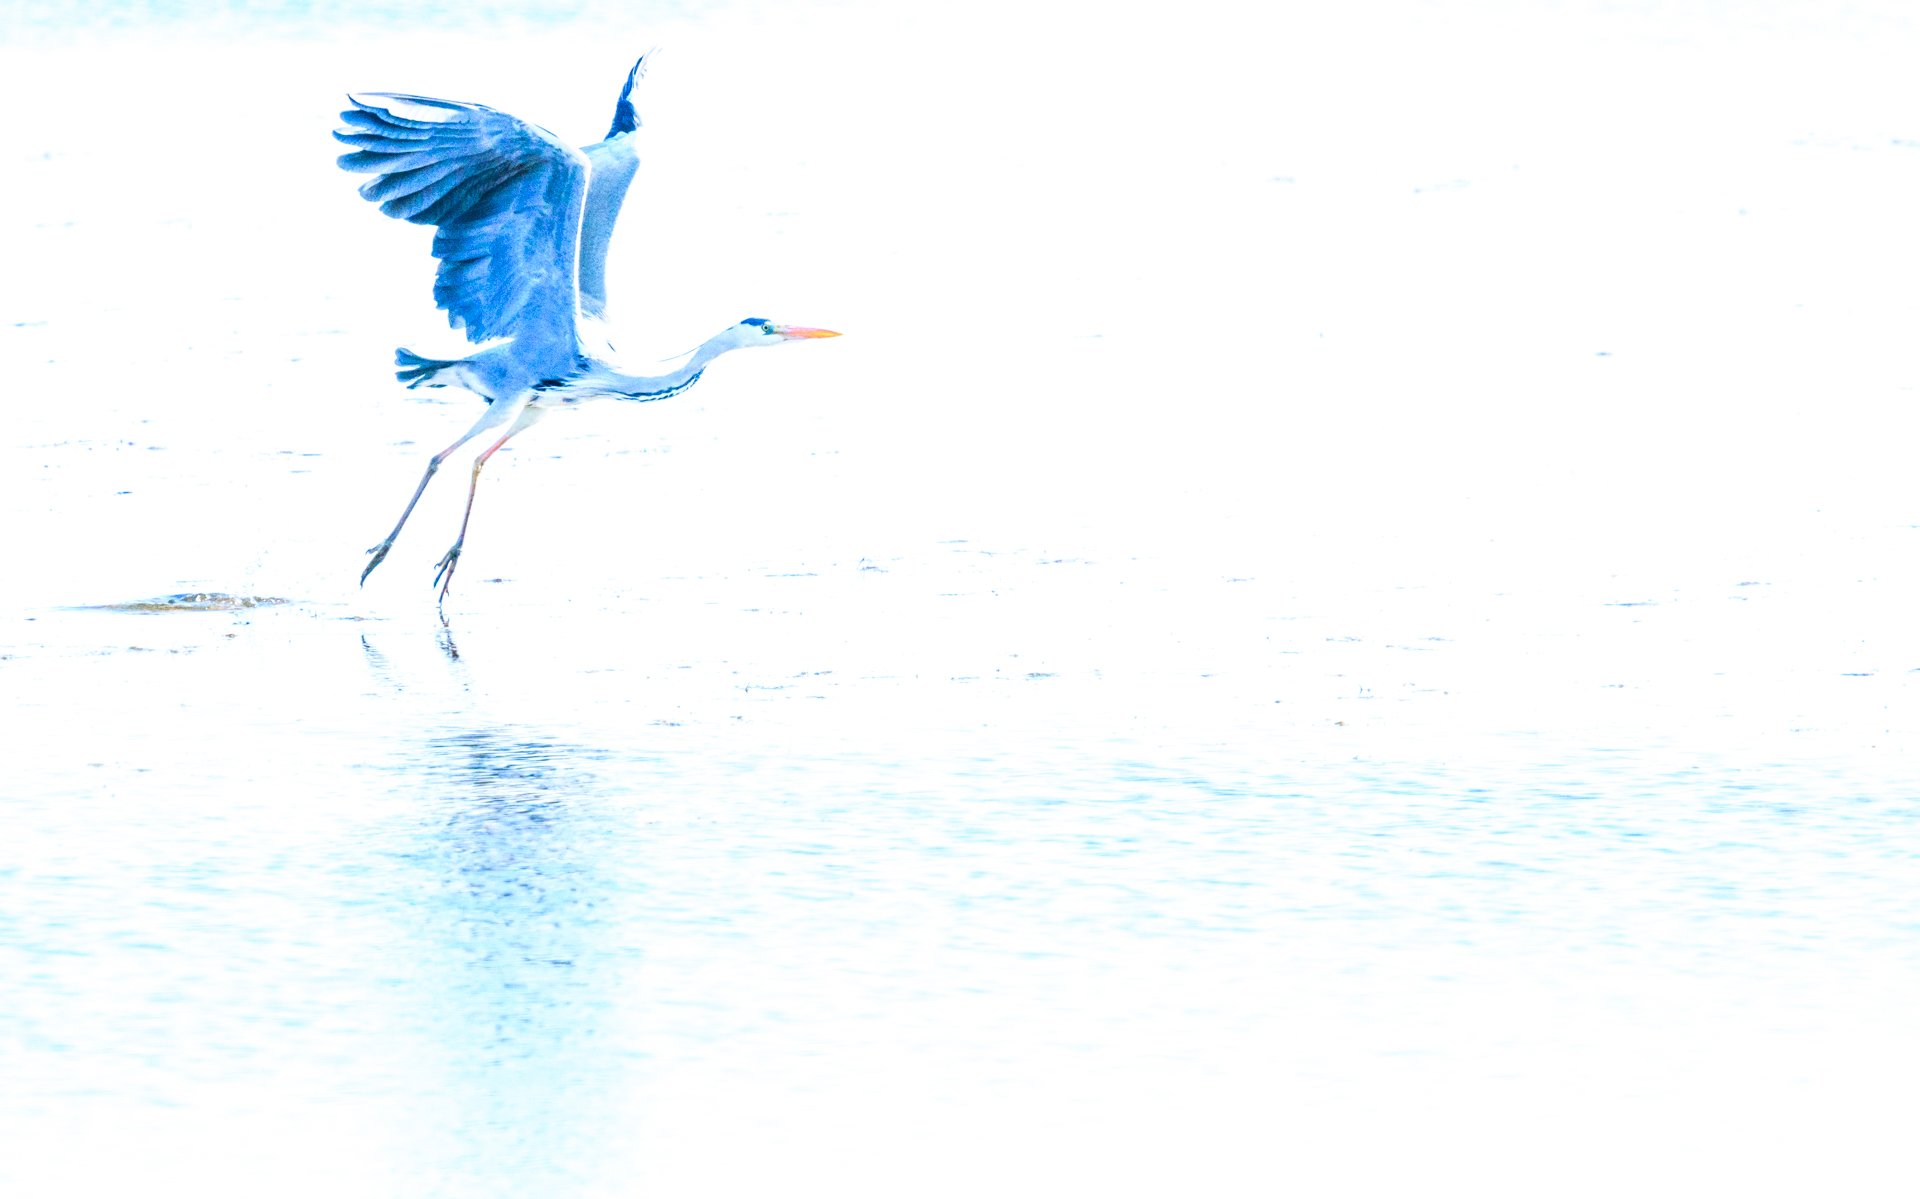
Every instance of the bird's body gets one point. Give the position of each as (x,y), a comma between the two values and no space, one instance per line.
(523,224)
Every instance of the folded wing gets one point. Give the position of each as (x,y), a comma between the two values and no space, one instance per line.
(506,198)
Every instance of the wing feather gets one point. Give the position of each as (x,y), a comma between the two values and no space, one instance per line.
(614,160)
(388,129)
(507,199)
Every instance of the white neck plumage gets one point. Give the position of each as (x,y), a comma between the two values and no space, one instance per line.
(603,380)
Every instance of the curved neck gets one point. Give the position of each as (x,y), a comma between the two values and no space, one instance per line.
(659,387)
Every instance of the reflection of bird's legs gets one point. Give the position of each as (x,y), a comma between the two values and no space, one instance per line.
(492,418)
(520,417)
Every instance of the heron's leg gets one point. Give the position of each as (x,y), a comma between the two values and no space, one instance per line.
(492,417)
(444,575)
(379,552)
(521,416)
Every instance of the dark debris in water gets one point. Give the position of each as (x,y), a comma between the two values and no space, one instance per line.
(191,601)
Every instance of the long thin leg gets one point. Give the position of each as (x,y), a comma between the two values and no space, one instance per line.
(516,415)
(491,418)
(444,575)
(379,552)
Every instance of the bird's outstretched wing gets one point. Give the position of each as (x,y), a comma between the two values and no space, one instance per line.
(507,198)
(614,161)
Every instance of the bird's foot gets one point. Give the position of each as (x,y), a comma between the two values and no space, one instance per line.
(379,553)
(443,574)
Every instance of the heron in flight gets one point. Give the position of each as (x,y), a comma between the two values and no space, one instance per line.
(522,225)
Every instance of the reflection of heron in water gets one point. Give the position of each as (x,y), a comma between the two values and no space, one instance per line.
(391,680)
(515,947)
(511,853)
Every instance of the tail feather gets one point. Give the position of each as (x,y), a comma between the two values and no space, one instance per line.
(415,370)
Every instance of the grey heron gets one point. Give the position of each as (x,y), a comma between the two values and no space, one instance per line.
(522,226)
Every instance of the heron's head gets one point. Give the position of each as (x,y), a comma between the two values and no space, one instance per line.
(758,331)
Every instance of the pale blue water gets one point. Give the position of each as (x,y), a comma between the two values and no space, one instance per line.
(1295,648)
(163,18)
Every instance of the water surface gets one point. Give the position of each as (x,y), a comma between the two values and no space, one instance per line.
(1340,623)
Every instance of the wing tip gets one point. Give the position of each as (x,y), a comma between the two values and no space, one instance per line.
(417,111)
(626,118)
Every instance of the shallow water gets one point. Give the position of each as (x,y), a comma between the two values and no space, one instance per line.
(1340,623)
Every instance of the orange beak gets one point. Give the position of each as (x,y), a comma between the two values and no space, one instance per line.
(792,331)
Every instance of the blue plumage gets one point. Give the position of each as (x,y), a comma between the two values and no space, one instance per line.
(503,193)
(614,161)
(625,119)
(522,223)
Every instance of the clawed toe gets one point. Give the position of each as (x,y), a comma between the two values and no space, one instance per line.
(445,570)
(379,553)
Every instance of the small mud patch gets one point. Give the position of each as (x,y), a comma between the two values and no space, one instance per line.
(190,601)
